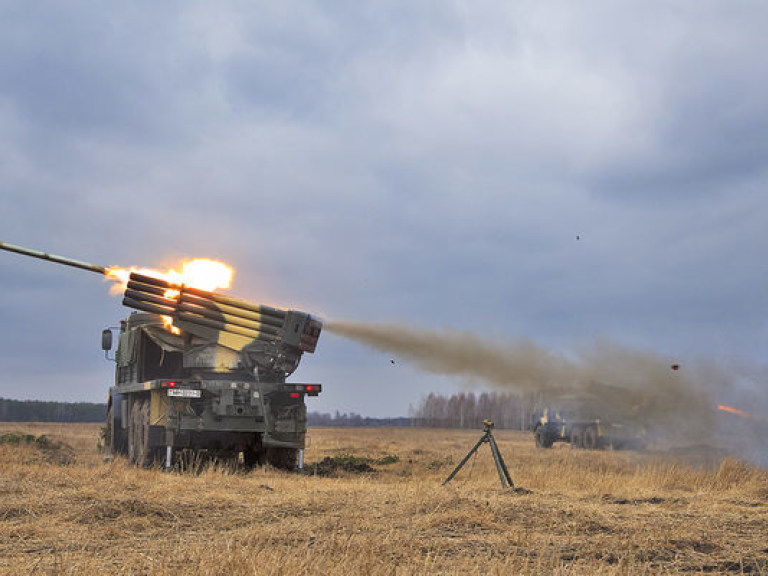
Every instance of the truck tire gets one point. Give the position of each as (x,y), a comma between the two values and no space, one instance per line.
(139,452)
(109,437)
(253,457)
(254,454)
(543,439)
(283,458)
(591,440)
(131,429)
(114,445)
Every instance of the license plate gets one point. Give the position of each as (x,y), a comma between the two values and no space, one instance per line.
(184,392)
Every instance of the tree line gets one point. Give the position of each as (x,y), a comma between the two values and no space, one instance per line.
(464,410)
(468,410)
(41,411)
(339,419)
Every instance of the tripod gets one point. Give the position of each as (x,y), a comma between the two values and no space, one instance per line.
(501,467)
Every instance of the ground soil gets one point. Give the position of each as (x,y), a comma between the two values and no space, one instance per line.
(574,512)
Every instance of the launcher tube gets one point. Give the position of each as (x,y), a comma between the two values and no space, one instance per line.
(53,258)
(236,302)
(144,297)
(146,288)
(194,300)
(226,318)
(194,319)
(276,314)
(144,279)
(147,307)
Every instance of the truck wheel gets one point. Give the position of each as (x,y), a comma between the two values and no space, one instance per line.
(253,458)
(111,444)
(132,439)
(119,442)
(590,438)
(543,439)
(283,458)
(148,455)
(254,455)
(138,440)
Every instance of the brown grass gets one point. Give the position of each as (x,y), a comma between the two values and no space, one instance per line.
(587,513)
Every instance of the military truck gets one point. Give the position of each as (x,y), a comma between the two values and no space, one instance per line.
(201,373)
(598,416)
(213,384)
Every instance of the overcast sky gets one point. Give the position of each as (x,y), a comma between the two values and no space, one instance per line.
(556,171)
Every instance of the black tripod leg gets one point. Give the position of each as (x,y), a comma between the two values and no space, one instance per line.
(501,466)
(467,457)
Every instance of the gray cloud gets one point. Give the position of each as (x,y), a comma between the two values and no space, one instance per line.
(427,164)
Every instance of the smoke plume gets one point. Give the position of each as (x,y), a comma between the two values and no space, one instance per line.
(521,365)
(677,400)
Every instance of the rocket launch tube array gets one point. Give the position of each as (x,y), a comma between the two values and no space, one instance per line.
(204,313)
(205,309)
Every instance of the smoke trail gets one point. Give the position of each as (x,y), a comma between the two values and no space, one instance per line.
(676,402)
(677,406)
(524,365)
(521,365)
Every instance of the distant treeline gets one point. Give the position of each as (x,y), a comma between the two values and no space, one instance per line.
(468,410)
(38,411)
(352,419)
(465,410)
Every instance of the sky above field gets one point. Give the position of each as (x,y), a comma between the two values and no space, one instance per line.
(565,173)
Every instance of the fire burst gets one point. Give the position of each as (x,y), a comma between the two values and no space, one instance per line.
(201,273)
(734,411)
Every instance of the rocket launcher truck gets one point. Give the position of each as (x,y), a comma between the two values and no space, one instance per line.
(200,372)
(594,417)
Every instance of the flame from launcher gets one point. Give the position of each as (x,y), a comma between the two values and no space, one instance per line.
(734,411)
(200,273)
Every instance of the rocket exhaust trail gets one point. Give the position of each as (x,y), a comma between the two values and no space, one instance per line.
(53,258)
(522,365)
(201,273)
(676,401)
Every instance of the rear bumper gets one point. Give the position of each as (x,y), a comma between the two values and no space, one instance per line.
(160,437)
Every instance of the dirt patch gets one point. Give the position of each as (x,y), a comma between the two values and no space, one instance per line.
(699,546)
(53,451)
(639,501)
(332,465)
(131,507)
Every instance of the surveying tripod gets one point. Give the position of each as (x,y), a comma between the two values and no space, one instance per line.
(501,467)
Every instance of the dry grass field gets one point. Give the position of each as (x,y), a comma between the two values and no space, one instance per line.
(65,511)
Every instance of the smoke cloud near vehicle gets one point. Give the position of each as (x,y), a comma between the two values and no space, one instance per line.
(679,400)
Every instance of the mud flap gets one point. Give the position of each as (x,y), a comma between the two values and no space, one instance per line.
(156,436)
